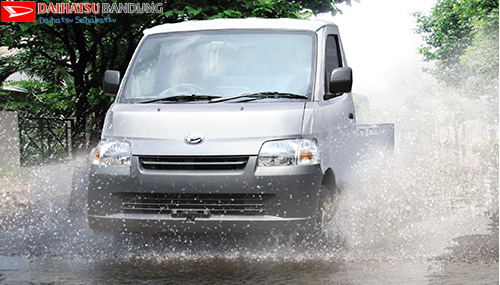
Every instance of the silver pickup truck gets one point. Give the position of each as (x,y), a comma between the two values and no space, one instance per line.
(229,125)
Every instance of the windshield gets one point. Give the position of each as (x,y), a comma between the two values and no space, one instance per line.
(222,64)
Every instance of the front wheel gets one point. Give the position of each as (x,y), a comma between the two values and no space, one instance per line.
(327,208)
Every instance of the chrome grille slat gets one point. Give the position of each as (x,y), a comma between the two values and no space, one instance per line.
(215,204)
(193,162)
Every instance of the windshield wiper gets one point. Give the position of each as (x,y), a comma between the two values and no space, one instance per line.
(182,98)
(261,95)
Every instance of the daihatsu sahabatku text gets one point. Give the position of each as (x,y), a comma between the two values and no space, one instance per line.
(231,125)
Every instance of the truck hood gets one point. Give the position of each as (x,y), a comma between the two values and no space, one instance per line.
(227,128)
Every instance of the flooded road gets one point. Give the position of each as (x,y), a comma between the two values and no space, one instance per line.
(389,234)
(100,260)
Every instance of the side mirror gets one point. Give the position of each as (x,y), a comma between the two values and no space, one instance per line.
(340,82)
(111,82)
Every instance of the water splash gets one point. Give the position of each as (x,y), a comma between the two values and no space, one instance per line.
(398,210)
(406,212)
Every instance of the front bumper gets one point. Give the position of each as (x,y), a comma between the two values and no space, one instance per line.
(247,200)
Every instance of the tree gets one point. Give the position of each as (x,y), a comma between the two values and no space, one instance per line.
(461,37)
(480,59)
(74,56)
(8,67)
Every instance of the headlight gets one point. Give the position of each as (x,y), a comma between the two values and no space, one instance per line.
(110,152)
(289,152)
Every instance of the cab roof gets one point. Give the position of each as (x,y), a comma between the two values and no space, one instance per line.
(248,23)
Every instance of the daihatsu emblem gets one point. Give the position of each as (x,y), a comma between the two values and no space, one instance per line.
(193,138)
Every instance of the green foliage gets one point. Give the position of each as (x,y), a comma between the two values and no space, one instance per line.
(461,37)
(8,66)
(198,10)
(480,59)
(41,99)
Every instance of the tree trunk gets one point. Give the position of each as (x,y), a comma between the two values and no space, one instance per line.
(95,133)
(79,133)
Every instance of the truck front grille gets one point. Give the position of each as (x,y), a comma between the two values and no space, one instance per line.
(195,204)
(206,163)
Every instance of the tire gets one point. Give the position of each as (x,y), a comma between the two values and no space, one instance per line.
(327,209)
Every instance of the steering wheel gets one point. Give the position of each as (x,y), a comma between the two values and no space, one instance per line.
(183,88)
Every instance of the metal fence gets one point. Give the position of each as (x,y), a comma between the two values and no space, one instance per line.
(44,140)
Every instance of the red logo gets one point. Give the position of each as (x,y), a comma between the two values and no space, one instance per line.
(18,11)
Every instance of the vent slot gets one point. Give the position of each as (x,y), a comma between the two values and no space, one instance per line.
(205,204)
